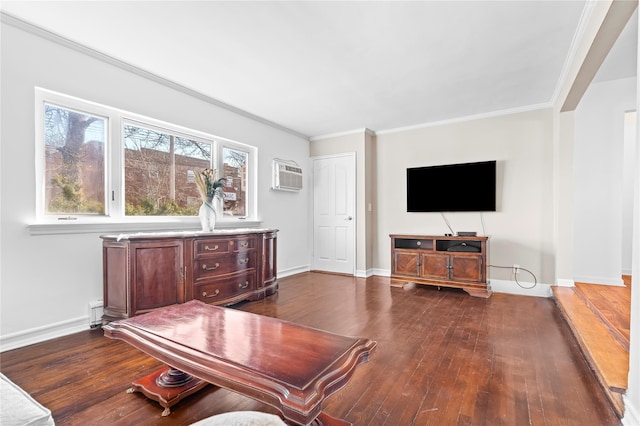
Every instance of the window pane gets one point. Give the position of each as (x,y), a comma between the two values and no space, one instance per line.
(159,170)
(74,161)
(235,172)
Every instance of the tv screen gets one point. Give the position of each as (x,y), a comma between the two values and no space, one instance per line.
(468,187)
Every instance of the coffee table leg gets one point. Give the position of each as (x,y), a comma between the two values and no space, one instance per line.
(167,386)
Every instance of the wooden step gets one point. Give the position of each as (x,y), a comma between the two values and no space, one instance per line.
(606,356)
(612,305)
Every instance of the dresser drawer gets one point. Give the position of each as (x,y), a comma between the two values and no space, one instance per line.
(245,243)
(225,288)
(210,247)
(215,266)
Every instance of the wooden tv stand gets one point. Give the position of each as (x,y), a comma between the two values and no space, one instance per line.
(443,261)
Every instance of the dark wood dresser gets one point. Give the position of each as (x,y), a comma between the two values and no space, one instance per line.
(146,271)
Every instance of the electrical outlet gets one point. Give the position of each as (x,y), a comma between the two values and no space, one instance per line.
(516,269)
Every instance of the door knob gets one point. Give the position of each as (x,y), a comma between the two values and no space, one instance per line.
(348,218)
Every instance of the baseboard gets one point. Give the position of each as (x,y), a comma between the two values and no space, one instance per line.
(367,273)
(563,282)
(631,413)
(615,281)
(511,287)
(499,286)
(40,334)
(292,271)
(381,272)
(75,325)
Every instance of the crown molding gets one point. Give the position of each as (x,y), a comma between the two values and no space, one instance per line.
(468,118)
(16,22)
(363,131)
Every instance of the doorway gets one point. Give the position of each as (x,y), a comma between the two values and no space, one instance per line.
(334,214)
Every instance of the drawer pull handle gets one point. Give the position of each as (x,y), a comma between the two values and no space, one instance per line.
(245,285)
(244,244)
(243,261)
(215,293)
(213,268)
(212,248)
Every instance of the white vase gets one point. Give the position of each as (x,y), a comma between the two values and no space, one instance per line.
(207,216)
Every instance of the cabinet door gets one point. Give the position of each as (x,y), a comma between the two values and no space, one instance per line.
(157,275)
(115,280)
(466,268)
(269,255)
(406,263)
(435,266)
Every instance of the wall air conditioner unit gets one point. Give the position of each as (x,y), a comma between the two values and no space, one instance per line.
(287,175)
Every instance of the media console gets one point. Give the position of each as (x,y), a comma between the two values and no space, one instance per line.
(443,261)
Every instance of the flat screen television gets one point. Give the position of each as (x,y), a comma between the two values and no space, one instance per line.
(467,187)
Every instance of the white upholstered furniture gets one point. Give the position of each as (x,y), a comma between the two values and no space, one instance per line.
(18,408)
(241,418)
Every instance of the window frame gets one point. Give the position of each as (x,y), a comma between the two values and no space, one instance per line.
(158,126)
(252,180)
(114,217)
(69,103)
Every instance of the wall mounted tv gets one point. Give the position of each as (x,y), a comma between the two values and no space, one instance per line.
(467,187)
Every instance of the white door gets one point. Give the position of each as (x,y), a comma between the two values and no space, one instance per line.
(334,214)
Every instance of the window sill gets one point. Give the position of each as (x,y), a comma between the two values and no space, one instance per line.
(99,227)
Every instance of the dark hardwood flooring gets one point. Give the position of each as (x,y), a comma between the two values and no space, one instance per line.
(443,358)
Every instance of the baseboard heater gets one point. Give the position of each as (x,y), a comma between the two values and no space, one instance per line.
(95,313)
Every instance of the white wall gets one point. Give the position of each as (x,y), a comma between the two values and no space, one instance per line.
(520,229)
(628,174)
(632,397)
(598,183)
(47,281)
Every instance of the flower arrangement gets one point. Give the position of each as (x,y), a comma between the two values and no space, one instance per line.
(209,186)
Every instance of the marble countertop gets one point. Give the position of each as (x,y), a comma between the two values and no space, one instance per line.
(186,234)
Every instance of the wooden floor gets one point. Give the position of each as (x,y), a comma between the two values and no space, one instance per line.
(612,305)
(443,358)
(599,317)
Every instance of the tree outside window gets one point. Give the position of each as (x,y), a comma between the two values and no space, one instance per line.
(74,162)
(158,172)
(147,167)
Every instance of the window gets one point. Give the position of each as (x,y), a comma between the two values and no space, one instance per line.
(156,171)
(74,167)
(99,163)
(235,191)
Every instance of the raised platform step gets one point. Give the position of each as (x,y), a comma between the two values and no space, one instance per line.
(606,356)
(612,305)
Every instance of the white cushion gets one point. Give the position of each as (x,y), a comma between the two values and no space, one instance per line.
(241,418)
(19,408)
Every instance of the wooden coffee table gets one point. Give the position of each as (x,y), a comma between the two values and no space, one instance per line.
(288,366)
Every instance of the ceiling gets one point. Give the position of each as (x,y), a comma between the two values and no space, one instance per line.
(325,67)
